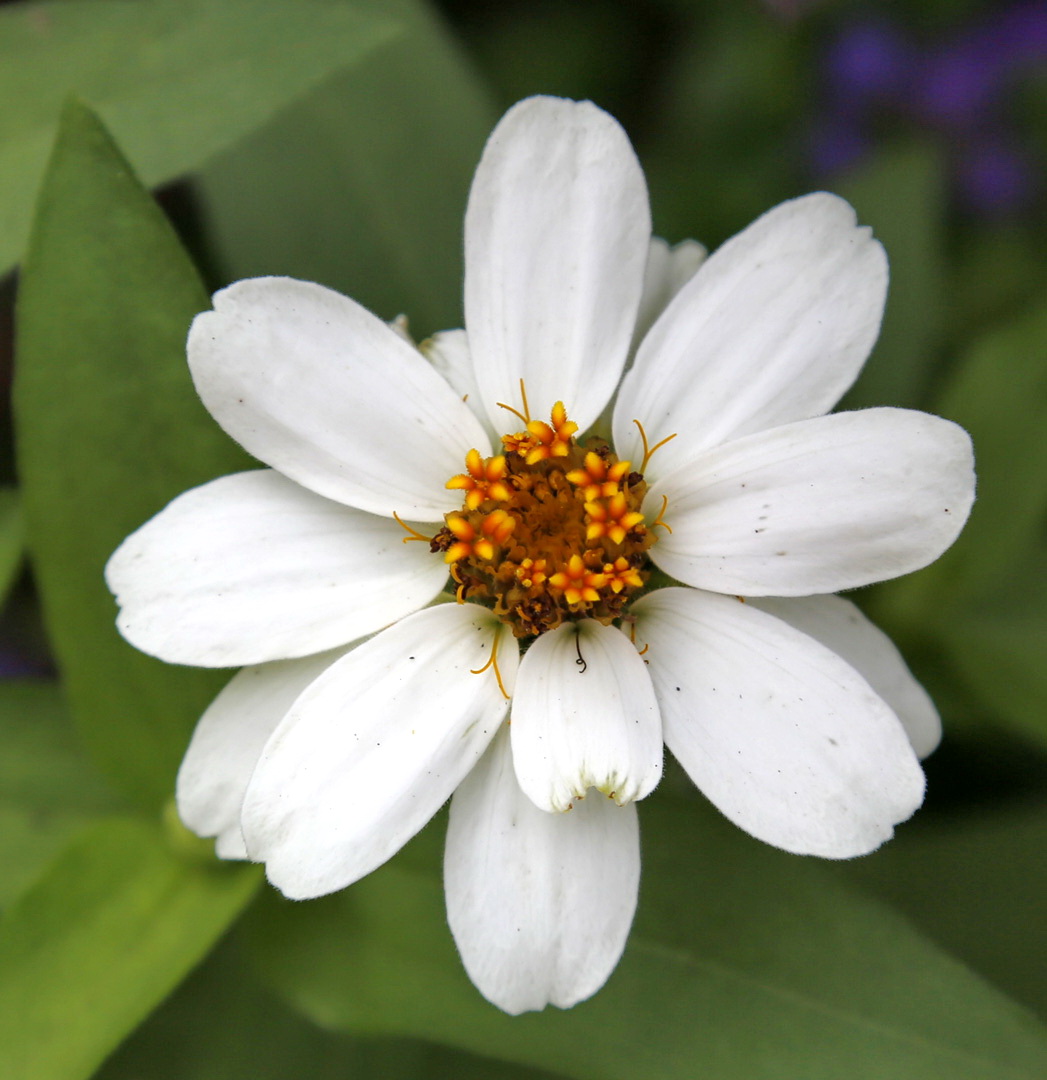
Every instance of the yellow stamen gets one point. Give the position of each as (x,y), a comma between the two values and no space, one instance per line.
(658,519)
(525,416)
(632,634)
(412,534)
(648,452)
(515,412)
(493,663)
(459,592)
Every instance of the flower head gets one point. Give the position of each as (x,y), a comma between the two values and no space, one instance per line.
(449,538)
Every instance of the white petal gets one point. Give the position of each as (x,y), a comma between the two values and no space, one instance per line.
(374,747)
(584,715)
(840,625)
(315,385)
(230,844)
(540,904)
(228,742)
(774,327)
(668,270)
(556,239)
(819,505)
(781,735)
(448,352)
(251,568)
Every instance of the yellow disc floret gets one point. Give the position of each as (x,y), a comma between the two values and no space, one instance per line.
(597,479)
(485,479)
(611,517)
(540,440)
(549,531)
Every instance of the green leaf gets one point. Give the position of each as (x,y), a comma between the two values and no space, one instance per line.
(999,394)
(48,791)
(976,885)
(109,429)
(221,1024)
(722,150)
(990,588)
(362,187)
(986,598)
(12,539)
(1000,655)
(901,194)
(176,80)
(109,930)
(771,971)
(997,272)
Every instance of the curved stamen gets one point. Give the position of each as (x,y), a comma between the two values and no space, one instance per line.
(412,534)
(525,416)
(632,636)
(648,452)
(493,663)
(658,519)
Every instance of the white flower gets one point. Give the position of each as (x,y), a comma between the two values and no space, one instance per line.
(794,715)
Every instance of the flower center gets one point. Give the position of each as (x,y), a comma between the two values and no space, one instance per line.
(549,530)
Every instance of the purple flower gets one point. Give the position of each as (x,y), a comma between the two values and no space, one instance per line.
(868,63)
(995,177)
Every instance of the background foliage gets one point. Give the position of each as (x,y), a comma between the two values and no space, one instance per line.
(334,140)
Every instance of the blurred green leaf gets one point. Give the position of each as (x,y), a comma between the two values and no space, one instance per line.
(1002,657)
(901,193)
(47,790)
(12,539)
(771,971)
(587,49)
(176,79)
(976,885)
(998,270)
(985,600)
(112,926)
(221,1024)
(999,394)
(362,187)
(109,429)
(721,144)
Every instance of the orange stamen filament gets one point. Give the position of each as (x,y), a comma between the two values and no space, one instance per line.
(632,635)
(648,451)
(658,519)
(412,534)
(525,416)
(493,663)
(515,412)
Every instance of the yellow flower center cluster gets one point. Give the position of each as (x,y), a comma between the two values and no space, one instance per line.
(549,530)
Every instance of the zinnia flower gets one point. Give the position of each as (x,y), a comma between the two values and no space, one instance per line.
(443,543)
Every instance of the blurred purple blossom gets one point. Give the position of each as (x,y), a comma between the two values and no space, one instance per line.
(958,87)
(836,143)
(994,177)
(868,63)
